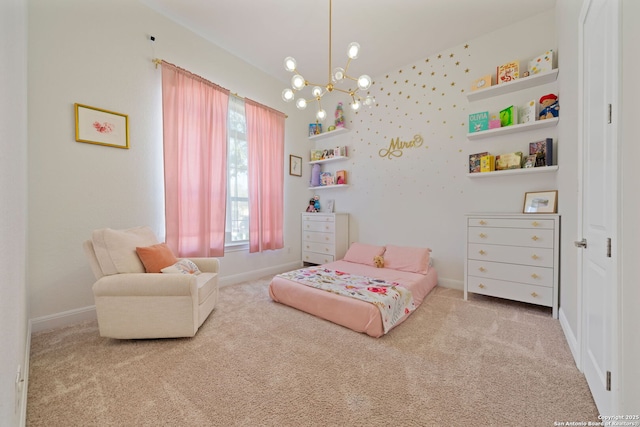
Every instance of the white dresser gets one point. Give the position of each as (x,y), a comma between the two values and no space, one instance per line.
(514,256)
(325,237)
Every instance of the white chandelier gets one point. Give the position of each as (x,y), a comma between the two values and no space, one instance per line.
(335,76)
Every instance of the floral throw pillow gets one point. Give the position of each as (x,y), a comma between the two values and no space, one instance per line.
(184,266)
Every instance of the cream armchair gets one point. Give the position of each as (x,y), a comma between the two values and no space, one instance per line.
(131,303)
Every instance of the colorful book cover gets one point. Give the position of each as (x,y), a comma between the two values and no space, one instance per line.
(481,83)
(542,63)
(509,116)
(543,151)
(341,177)
(508,72)
(326,178)
(478,122)
(474,161)
(530,161)
(528,112)
(487,163)
(509,161)
(315,129)
(316,155)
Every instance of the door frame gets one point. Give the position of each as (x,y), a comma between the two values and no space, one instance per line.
(616,307)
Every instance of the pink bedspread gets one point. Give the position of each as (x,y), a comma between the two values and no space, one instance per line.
(354,314)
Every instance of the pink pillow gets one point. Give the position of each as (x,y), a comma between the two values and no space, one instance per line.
(405,258)
(363,253)
(156,257)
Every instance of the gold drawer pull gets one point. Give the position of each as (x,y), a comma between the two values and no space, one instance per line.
(535,223)
(483,222)
(535,276)
(482,235)
(482,269)
(307,246)
(534,256)
(481,252)
(326,249)
(535,238)
(481,286)
(326,238)
(533,294)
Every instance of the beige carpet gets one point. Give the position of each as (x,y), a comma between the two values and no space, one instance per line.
(484,362)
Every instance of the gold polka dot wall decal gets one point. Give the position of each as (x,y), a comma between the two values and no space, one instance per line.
(414,67)
(457,63)
(453,83)
(420,73)
(433,89)
(451,55)
(406,81)
(439,56)
(466,71)
(433,73)
(400,71)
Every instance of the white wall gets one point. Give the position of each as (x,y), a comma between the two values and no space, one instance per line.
(629,293)
(98,53)
(13,204)
(420,198)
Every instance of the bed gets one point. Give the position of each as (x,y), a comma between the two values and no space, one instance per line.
(407,271)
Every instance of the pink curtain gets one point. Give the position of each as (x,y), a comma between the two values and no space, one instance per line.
(194,114)
(265,137)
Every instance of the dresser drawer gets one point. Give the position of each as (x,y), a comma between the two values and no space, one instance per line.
(320,248)
(318,237)
(511,223)
(541,257)
(540,276)
(318,218)
(515,291)
(542,238)
(316,258)
(325,227)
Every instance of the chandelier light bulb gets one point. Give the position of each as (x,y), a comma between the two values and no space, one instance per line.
(355,105)
(301,103)
(369,101)
(297,82)
(338,74)
(287,95)
(316,91)
(353,50)
(321,115)
(364,82)
(290,64)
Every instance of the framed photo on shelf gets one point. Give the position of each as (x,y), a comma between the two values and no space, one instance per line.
(295,165)
(101,127)
(540,202)
(330,204)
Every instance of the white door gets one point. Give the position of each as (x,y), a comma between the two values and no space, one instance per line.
(599,29)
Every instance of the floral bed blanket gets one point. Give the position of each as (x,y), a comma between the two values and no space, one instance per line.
(393,300)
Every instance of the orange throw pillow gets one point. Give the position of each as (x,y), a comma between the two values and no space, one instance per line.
(156,257)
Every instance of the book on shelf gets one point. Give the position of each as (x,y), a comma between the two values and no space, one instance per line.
(508,72)
(316,155)
(315,129)
(528,112)
(481,83)
(487,163)
(509,161)
(326,178)
(478,121)
(474,161)
(543,151)
(341,177)
(509,116)
(530,161)
(541,64)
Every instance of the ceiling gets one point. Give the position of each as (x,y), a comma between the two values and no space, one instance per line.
(391,33)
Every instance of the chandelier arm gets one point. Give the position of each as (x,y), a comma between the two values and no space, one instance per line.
(344,91)
(346,67)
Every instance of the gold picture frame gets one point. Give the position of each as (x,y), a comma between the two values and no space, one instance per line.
(295,165)
(101,127)
(540,202)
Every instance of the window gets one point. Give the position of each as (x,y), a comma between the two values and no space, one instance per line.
(237,222)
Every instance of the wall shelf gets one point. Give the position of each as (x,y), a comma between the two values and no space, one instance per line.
(538,124)
(521,171)
(329,134)
(516,85)
(322,187)
(331,159)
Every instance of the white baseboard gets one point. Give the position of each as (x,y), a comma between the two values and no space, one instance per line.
(571,338)
(66,318)
(451,283)
(257,274)
(25,378)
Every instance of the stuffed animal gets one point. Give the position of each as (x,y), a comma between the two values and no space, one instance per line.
(378,261)
(311,207)
(550,107)
(316,203)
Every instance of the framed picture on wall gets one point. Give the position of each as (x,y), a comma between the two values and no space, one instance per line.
(540,202)
(102,127)
(295,165)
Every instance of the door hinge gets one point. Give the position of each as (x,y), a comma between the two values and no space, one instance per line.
(608,247)
(610,114)
(608,380)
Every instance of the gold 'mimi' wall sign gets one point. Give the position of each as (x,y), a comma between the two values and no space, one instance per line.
(396,147)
